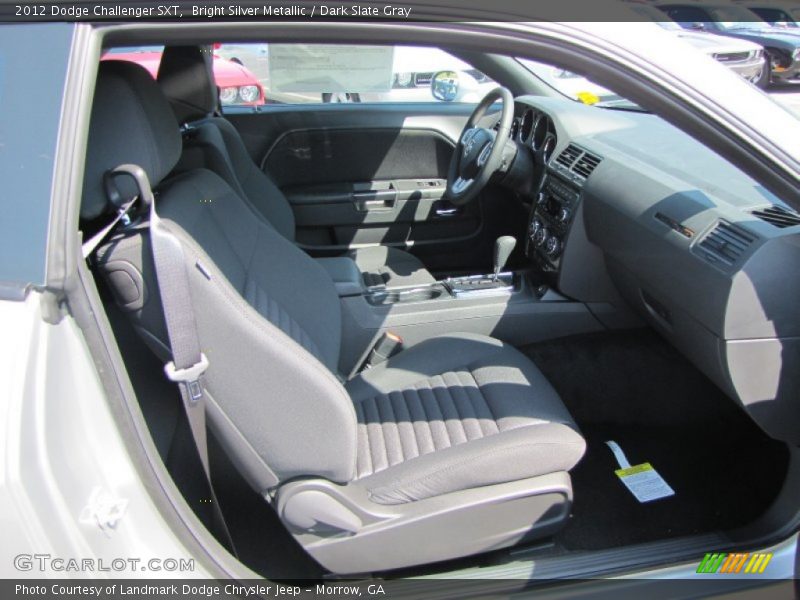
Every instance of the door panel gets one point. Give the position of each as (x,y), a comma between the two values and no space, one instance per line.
(369,174)
(315,156)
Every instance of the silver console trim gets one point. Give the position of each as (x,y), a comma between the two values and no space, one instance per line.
(505,287)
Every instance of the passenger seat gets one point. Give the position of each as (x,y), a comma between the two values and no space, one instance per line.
(454,446)
(185,76)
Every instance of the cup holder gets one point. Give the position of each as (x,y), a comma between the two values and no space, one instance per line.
(412,295)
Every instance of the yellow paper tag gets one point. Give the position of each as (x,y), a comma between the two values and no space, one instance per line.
(588,97)
(634,469)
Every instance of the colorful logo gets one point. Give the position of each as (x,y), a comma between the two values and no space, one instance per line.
(738,562)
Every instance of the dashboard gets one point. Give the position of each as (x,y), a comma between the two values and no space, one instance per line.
(627,207)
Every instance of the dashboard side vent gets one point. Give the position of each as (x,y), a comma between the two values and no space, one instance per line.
(778,216)
(568,156)
(726,243)
(586,164)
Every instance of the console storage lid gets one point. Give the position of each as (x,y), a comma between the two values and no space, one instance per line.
(345,274)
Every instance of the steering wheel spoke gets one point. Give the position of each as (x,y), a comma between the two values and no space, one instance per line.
(461,185)
(484,155)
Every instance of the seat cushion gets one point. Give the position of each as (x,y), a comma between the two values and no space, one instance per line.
(457,412)
(384,265)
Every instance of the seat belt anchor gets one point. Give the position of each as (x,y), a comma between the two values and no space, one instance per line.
(189,377)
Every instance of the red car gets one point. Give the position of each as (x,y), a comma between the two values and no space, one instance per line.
(237,85)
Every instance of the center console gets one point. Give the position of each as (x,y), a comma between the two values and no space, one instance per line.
(550,220)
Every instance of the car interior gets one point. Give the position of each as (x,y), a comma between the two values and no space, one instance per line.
(420,323)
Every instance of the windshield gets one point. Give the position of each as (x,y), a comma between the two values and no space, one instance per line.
(656,16)
(737,17)
(577,87)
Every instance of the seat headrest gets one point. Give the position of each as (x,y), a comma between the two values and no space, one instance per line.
(186,77)
(131,123)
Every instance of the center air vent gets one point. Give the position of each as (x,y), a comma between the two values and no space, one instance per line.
(568,156)
(778,216)
(586,164)
(726,243)
(578,161)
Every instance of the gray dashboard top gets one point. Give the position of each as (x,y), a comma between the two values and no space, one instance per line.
(650,143)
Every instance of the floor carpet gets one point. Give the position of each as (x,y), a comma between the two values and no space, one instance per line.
(634,388)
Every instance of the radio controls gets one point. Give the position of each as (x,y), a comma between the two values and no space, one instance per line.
(553,247)
(541,236)
(536,225)
(563,214)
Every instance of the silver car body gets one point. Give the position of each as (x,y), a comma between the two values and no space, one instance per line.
(71,483)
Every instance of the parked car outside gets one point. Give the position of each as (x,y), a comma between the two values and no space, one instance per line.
(782,45)
(412,79)
(742,56)
(236,83)
(254,57)
(413,72)
(777,14)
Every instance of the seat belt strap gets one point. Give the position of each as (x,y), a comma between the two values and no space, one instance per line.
(93,242)
(188,363)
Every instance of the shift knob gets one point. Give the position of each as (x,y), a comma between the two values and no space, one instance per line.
(503,247)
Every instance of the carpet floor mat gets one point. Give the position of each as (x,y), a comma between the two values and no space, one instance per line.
(634,388)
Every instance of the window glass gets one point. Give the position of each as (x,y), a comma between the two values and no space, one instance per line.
(314,73)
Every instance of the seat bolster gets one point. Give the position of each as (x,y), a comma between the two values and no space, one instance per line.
(384,265)
(260,190)
(509,456)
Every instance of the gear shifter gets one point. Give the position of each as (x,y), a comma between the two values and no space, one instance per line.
(486,285)
(503,247)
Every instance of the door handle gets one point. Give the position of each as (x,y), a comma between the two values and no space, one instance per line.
(447,212)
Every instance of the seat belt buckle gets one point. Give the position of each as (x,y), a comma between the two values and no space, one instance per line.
(189,377)
(387,346)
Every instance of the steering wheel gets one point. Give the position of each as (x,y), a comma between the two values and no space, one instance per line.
(477,155)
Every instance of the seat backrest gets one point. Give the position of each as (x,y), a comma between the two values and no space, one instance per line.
(268,316)
(186,78)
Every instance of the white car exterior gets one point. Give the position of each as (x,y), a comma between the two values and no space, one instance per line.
(743,57)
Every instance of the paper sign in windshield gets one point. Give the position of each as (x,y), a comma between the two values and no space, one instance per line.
(302,68)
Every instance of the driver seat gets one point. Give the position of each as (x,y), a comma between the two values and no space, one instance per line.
(186,78)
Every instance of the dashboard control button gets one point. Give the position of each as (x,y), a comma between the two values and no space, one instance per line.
(541,237)
(536,225)
(564,214)
(553,247)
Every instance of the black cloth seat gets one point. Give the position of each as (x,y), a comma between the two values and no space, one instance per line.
(460,436)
